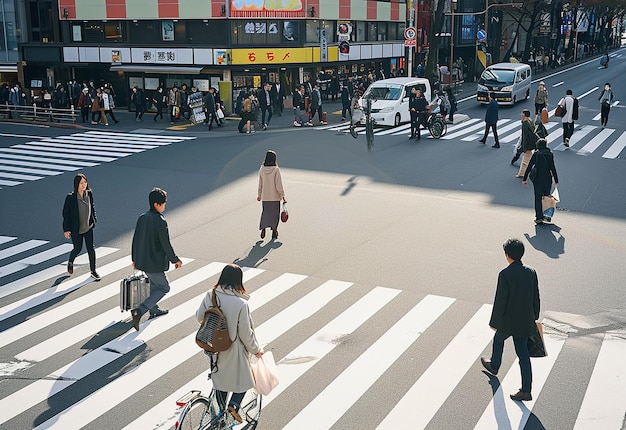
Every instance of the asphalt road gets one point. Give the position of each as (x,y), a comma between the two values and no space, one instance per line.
(425,218)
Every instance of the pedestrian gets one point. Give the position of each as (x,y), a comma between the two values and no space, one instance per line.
(545,170)
(515,310)
(185,112)
(345,101)
(417,108)
(173,104)
(299,108)
(230,369)
(529,142)
(111,103)
(152,253)
(138,102)
(96,114)
(278,97)
(567,102)
(316,104)
(606,97)
(453,103)
(79,220)
(84,104)
(270,192)
(491,120)
(247,115)
(158,100)
(103,106)
(541,98)
(210,107)
(266,104)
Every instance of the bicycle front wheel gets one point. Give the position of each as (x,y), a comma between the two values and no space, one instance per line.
(436,129)
(196,415)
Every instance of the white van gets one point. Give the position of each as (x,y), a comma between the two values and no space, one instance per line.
(390,99)
(509,82)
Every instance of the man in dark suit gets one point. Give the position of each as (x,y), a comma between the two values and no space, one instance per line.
(278,97)
(491,121)
(515,310)
(265,103)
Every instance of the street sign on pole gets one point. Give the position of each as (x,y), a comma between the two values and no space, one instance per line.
(481,35)
(323,46)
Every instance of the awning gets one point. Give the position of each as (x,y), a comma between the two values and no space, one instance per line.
(183,70)
(8,68)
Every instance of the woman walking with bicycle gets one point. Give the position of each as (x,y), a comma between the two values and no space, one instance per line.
(230,371)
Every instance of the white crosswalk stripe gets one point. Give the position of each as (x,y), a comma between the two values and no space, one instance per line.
(49,156)
(122,366)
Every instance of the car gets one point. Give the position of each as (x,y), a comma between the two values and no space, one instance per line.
(390,99)
(508,82)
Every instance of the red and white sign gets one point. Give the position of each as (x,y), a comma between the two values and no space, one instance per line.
(410,33)
(409,42)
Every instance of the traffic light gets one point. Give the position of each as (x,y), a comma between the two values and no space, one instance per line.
(344,47)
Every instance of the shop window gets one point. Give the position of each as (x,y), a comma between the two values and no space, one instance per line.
(312,30)
(392,29)
(372,31)
(94,32)
(382,31)
(114,31)
(361,33)
(145,31)
(208,31)
(40,15)
(180,31)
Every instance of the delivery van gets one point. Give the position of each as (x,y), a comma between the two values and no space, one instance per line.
(390,99)
(509,82)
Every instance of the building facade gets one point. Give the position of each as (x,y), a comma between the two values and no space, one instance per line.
(8,41)
(229,44)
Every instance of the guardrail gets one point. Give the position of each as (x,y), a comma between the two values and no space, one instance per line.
(36,113)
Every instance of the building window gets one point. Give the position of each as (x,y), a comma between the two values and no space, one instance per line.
(40,14)
(361,33)
(382,31)
(467,28)
(94,32)
(372,31)
(207,32)
(145,32)
(114,31)
(392,28)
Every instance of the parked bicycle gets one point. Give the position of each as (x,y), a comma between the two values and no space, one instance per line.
(206,413)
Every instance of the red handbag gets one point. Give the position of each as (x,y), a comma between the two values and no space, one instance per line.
(284,215)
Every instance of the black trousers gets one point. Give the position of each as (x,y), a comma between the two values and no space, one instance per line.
(604,114)
(493,127)
(268,111)
(568,130)
(77,241)
(415,124)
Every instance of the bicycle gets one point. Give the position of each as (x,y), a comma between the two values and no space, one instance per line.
(206,413)
(366,111)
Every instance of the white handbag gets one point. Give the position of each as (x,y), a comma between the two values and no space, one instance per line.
(264,372)
(219,113)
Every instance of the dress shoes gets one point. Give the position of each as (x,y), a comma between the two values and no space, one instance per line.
(263,234)
(487,365)
(158,313)
(521,396)
(70,267)
(274,234)
(497,145)
(136,318)
(482,141)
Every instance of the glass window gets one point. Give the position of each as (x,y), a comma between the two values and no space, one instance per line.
(94,32)
(372,31)
(180,31)
(382,31)
(467,28)
(311,31)
(291,31)
(114,31)
(392,28)
(145,31)
(361,34)
(205,31)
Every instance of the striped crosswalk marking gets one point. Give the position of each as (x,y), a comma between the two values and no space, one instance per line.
(352,308)
(616,149)
(49,156)
(595,142)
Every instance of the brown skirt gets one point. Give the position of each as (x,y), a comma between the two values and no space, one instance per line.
(270,215)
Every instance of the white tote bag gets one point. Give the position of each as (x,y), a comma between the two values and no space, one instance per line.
(264,372)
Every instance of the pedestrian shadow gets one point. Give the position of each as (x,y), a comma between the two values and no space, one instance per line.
(258,253)
(548,239)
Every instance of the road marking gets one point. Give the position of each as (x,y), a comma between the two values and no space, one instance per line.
(594,143)
(576,137)
(34,259)
(558,84)
(353,382)
(22,247)
(57,155)
(617,147)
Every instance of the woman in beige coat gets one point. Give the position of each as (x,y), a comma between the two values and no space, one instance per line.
(231,372)
(270,192)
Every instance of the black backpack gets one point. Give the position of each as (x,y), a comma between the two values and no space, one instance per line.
(212,336)
(575,110)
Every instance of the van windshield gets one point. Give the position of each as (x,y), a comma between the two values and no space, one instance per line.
(497,76)
(388,92)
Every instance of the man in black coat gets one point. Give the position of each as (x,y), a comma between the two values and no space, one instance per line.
(278,97)
(152,253)
(210,108)
(417,108)
(265,103)
(545,171)
(515,310)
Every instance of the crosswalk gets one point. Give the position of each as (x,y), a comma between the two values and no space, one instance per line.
(51,156)
(71,360)
(586,140)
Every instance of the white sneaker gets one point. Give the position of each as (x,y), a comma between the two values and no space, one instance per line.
(309,123)
(297,124)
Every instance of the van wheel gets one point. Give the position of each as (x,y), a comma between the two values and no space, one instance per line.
(396,120)
(514,99)
(527,94)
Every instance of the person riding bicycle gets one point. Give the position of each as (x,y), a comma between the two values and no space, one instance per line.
(231,371)
(417,108)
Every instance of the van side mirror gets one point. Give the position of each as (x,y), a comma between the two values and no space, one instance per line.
(405,99)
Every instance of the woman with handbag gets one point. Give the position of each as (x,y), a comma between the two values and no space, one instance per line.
(606,97)
(230,371)
(541,170)
(270,192)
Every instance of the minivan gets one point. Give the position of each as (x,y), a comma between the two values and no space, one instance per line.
(509,82)
(390,99)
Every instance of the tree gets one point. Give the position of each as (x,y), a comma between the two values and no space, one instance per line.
(436,24)
(528,19)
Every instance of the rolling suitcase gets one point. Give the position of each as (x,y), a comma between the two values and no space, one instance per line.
(134,289)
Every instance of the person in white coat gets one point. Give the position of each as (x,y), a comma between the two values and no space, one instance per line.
(568,119)
(231,372)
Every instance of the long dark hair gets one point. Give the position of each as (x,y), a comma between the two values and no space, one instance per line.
(270,158)
(231,277)
(79,177)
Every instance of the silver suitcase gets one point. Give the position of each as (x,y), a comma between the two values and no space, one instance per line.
(133,291)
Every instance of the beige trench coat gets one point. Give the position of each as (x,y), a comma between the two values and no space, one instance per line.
(233,365)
